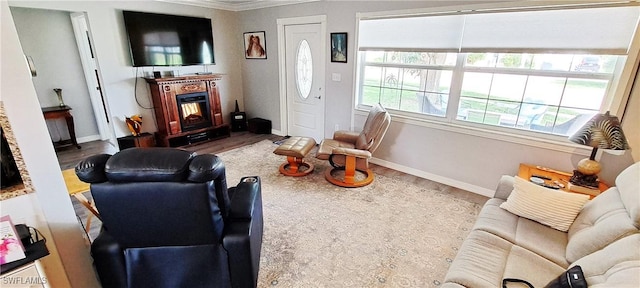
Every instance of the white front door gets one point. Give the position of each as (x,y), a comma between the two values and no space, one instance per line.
(305,56)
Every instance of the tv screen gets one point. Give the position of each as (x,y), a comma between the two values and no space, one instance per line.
(168,40)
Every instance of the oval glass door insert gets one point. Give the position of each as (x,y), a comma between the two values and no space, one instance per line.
(304,69)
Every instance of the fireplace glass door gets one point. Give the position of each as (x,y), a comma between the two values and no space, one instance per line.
(194,111)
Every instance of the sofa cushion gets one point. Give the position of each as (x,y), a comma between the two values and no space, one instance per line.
(485,259)
(601,221)
(554,208)
(628,184)
(540,239)
(616,265)
(326,148)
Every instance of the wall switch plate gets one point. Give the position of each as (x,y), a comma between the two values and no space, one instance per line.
(336,77)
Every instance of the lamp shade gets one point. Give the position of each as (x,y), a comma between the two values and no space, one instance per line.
(603,131)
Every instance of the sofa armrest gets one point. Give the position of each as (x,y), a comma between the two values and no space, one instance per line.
(505,186)
(346,136)
(110,256)
(91,170)
(245,199)
(243,232)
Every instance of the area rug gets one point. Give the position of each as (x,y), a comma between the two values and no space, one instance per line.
(388,234)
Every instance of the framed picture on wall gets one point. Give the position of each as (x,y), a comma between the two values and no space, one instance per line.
(339,47)
(255,45)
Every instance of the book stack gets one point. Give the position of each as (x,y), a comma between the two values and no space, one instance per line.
(583,189)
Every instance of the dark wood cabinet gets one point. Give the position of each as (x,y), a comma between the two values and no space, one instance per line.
(142,140)
(187,109)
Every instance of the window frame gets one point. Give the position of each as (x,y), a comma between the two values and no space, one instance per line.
(614,100)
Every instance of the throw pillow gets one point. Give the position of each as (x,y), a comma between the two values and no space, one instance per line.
(554,208)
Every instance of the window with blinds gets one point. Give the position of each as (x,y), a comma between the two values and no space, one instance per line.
(547,71)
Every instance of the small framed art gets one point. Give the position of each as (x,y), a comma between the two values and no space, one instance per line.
(339,47)
(255,45)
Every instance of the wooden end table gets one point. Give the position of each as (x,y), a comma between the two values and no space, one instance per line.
(527,170)
(55,112)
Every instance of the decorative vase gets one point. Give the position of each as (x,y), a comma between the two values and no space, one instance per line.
(59,92)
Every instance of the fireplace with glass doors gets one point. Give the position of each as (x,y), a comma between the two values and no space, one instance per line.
(187,109)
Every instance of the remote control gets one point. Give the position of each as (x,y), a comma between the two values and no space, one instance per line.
(541,177)
(555,187)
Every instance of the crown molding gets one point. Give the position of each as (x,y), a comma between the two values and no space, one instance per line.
(240,6)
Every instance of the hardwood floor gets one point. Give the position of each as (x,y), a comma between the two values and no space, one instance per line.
(69,157)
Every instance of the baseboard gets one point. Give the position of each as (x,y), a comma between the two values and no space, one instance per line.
(88,138)
(277,132)
(433,177)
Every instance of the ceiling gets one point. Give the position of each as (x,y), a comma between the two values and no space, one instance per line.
(237,5)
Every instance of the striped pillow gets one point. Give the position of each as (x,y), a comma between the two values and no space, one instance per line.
(554,208)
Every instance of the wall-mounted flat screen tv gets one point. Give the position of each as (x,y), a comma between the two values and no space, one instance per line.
(168,40)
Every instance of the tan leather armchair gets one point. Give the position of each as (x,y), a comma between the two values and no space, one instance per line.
(350,151)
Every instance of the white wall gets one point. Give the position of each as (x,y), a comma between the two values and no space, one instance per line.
(107,27)
(455,158)
(47,36)
(70,264)
(260,77)
(49,208)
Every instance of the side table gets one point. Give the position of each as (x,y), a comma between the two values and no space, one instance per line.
(142,140)
(527,170)
(55,112)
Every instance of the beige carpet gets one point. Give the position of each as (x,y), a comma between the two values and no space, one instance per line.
(388,234)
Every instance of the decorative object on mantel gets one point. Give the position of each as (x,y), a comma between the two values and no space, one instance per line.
(603,131)
(134,123)
(59,93)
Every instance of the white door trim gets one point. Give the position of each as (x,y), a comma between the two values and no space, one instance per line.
(282,68)
(91,71)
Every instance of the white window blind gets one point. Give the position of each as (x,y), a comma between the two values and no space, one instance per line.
(601,30)
(434,33)
(596,30)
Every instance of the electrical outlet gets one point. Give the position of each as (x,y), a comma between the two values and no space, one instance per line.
(337,127)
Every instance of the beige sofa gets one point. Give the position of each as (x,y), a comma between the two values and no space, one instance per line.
(604,240)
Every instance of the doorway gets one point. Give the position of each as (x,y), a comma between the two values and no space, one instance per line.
(58,43)
(302,81)
(92,75)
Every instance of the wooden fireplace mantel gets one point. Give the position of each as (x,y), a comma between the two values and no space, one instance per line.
(164,92)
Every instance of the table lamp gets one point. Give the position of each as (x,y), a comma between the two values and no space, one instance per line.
(603,131)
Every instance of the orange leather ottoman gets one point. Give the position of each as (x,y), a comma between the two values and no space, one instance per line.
(296,148)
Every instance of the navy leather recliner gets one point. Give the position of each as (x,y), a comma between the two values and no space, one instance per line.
(170,221)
